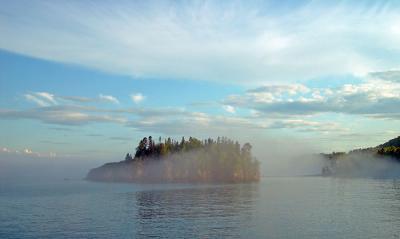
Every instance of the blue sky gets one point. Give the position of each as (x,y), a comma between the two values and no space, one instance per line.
(90,78)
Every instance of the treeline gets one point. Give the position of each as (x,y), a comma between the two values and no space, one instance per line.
(391,151)
(192,160)
(364,160)
(147,148)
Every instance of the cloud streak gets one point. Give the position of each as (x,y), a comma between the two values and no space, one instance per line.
(44,99)
(60,116)
(371,97)
(41,98)
(101,98)
(108,98)
(269,107)
(27,152)
(236,41)
(229,109)
(175,121)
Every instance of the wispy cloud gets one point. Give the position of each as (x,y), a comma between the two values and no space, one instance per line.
(44,99)
(194,123)
(61,116)
(27,152)
(78,99)
(41,98)
(174,121)
(197,123)
(109,98)
(81,99)
(370,97)
(387,75)
(270,107)
(308,126)
(137,97)
(232,41)
(229,109)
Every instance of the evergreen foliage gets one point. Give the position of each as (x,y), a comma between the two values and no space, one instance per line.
(338,161)
(192,160)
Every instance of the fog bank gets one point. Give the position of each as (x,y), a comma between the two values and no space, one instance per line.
(29,168)
(288,157)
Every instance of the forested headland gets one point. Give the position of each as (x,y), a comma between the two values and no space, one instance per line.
(379,161)
(192,160)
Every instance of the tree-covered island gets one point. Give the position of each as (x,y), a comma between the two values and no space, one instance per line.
(192,160)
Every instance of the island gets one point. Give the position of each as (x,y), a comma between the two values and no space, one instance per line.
(193,160)
(382,161)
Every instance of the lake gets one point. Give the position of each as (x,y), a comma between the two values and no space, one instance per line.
(277,207)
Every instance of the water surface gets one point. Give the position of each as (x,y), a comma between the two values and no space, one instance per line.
(299,207)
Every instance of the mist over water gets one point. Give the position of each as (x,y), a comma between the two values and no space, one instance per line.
(294,158)
(280,207)
(26,168)
(288,157)
(199,119)
(42,204)
(365,166)
(276,159)
(190,161)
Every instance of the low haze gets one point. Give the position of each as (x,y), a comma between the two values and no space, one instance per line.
(84,87)
(284,114)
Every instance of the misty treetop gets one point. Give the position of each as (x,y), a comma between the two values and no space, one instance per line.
(147,148)
(379,161)
(192,160)
(390,149)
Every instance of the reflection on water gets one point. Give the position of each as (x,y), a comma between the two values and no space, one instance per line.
(390,199)
(205,212)
(300,207)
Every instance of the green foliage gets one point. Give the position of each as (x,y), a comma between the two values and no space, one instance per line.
(391,151)
(195,160)
(344,162)
(393,142)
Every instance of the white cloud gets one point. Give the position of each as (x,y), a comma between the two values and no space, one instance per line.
(137,97)
(378,95)
(240,42)
(78,99)
(36,100)
(109,98)
(308,125)
(63,115)
(41,98)
(28,152)
(197,123)
(229,109)
(270,107)
(172,120)
(45,99)
(45,95)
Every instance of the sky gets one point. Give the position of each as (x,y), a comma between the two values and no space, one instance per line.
(88,79)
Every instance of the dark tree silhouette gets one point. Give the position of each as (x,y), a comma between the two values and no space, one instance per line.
(191,160)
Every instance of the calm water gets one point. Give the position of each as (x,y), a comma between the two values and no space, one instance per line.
(302,207)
